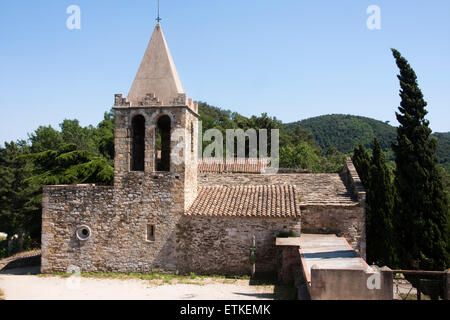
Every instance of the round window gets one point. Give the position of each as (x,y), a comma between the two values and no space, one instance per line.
(83,233)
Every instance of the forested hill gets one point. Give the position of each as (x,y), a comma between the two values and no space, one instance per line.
(344,132)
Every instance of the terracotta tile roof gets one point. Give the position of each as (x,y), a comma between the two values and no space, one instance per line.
(236,165)
(316,189)
(247,200)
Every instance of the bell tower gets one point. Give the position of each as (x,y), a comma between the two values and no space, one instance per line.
(155,134)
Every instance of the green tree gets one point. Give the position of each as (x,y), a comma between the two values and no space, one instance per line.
(104,136)
(361,160)
(15,210)
(82,137)
(421,208)
(333,160)
(68,165)
(301,156)
(45,138)
(380,240)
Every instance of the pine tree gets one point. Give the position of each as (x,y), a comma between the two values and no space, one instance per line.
(379,211)
(67,165)
(16,216)
(421,206)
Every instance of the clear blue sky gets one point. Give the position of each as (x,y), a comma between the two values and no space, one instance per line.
(293,59)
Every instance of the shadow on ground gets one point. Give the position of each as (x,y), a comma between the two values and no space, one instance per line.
(22,271)
(281,291)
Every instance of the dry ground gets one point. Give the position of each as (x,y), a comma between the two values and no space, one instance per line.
(18,285)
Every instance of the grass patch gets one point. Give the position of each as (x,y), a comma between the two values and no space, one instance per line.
(412,296)
(155,277)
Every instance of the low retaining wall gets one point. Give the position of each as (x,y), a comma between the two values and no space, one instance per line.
(325,267)
(349,284)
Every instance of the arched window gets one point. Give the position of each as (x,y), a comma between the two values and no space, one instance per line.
(138,143)
(163,144)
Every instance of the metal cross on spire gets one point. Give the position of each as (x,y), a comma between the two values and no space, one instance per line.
(159,18)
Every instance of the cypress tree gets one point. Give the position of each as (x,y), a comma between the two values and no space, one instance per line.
(379,211)
(421,205)
(361,160)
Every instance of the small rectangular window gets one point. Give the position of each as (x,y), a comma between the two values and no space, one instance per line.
(150,232)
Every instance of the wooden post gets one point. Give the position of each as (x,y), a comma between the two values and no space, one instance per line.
(253,254)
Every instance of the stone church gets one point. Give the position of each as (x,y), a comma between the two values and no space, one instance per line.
(187,216)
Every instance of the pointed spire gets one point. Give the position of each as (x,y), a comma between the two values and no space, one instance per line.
(157,74)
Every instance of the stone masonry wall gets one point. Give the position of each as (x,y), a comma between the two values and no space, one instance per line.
(221,245)
(204,245)
(119,216)
(182,160)
(344,221)
(64,208)
(118,220)
(353,181)
(330,203)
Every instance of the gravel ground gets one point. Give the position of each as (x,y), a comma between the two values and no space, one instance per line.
(31,287)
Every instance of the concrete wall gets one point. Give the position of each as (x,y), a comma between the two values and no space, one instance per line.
(348,284)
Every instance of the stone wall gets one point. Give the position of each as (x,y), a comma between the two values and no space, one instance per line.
(352,180)
(289,260)
(344,221)
(64,208)
(182,159)
(119,216)
(330,203)
(118,220)
(118,243)
(221,245)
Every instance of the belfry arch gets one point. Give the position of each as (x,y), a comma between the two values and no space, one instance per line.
(137,143)
(163,127)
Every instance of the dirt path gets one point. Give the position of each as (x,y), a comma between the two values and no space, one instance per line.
(31,287)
